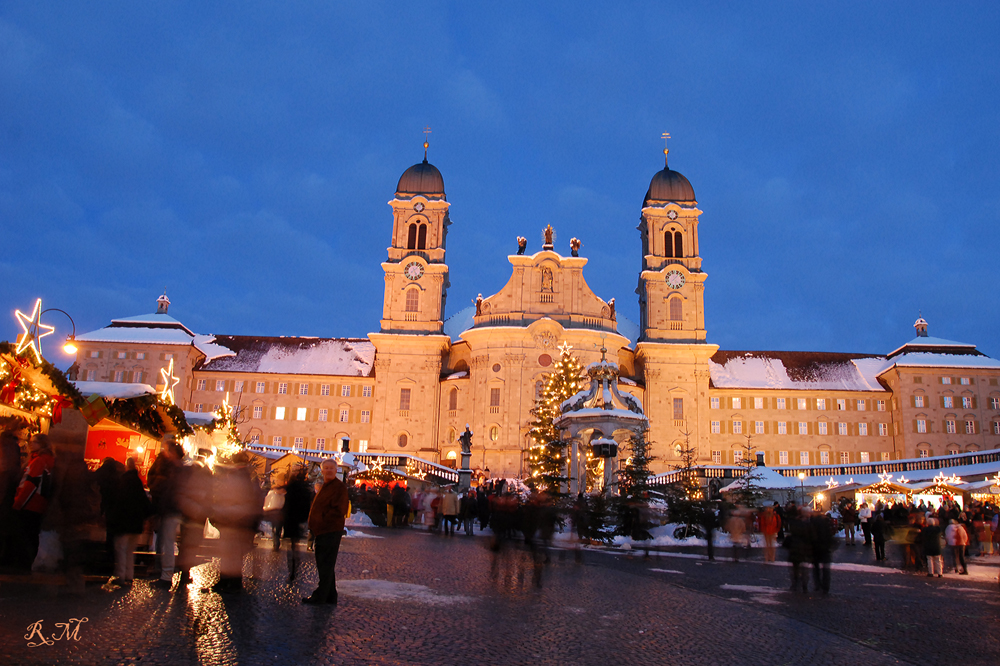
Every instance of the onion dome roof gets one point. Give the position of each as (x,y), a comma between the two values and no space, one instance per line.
(668,185)
(421,179)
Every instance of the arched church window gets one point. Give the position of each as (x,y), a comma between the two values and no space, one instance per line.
(678,244)
(411,238)
(668,244)
(412,300)
(403,440)
(422,237)
(546,279)
(676,309)
(453,399)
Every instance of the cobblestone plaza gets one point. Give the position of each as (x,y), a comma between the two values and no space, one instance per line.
(409,597)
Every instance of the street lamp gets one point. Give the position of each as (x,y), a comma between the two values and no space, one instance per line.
(802,489)
(70,345)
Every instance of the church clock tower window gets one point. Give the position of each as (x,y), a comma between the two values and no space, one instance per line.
(412,300)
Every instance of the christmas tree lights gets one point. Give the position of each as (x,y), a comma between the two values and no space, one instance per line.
(546,456)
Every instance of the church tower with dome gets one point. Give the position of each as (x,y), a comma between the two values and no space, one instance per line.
(671,353)
(410,345)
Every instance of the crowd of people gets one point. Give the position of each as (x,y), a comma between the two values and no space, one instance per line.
(48,493)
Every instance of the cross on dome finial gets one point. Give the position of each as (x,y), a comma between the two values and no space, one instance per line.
(427,144)
(665,136)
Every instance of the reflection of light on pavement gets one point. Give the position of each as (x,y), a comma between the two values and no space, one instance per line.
(213,638)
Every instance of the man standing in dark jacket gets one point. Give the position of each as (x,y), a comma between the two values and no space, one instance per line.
(821,533)
(930,539)
(326,522)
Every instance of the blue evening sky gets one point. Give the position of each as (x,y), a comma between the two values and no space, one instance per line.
(241,155)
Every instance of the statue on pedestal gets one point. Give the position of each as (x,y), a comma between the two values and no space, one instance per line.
(465,439)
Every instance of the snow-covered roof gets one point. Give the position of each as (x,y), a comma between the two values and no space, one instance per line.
(934,344)
(158,329)
(627,328)
(932,360)
(459,322)
(199,418)
(114,390)
(155,320)
(796,370)
(206,345)
(351,357)
(137,334)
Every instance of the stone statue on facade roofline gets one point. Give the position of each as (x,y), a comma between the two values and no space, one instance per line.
(522,244)
(465,439)
(611,304)
(479,305)
(574,246)
(548,236)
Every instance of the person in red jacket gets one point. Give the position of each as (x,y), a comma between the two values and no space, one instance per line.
(32,496)
(326,521)
(770,523)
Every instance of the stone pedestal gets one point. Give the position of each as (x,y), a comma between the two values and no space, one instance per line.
(465,473)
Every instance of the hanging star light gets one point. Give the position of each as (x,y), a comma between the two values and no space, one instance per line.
(564,347)
(902,479)
(169,382)
(831,483)
(33,330)
(885,477)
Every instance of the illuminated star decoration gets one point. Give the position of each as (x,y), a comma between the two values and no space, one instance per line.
(885,477)
(33,330)
(831,483)
(902,479)
(169,382)
(564,347)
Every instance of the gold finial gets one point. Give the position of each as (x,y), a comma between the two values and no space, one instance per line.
(427,132)
(665,136)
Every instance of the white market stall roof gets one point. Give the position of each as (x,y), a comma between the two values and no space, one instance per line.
(767,479)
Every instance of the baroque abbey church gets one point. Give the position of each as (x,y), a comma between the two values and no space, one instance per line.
(414,385)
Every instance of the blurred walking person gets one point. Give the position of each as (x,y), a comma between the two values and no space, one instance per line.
(10,477)
(235,513)
(449,510)
(298,499)
(957,539)
(127,513)
(930,540)
(32,497)
(770,524)
(326,521)
(162,480)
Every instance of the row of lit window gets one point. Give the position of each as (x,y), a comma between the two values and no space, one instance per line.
(302,414)
(282,388)
(951,426)
(948,402)
(840,404)
(824,457)
(320,443)
(822,428)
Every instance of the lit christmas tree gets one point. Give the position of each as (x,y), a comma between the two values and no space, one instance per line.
(547,456)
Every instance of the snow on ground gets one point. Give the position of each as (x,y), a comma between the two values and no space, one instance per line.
(386,590)
(359,519)
(758,593)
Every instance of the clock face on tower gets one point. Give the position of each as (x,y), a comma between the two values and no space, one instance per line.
(675,280)
(414,271)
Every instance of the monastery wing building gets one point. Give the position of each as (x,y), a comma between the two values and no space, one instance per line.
(414,385)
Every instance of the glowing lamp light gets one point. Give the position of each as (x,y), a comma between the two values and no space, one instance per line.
(140,448)
(802,476)
(70,345)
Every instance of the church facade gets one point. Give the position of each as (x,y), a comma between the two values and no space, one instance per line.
(413,386)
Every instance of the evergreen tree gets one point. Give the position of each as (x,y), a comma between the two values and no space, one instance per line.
(749,492)
(633,487)
(547,455)
(685,494)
